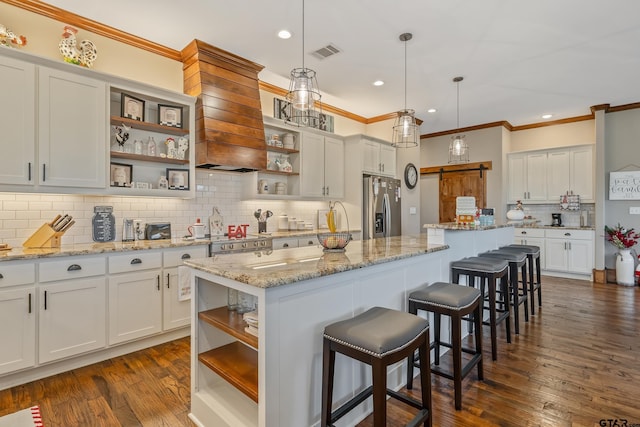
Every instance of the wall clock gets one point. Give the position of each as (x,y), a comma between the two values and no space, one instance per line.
(410,175)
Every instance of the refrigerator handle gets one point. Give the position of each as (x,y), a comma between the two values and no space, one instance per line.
(386,210)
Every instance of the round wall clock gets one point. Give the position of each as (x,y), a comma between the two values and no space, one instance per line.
(410,175)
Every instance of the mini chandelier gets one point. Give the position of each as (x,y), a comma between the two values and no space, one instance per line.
(458,148)
(303,94)
(405,129)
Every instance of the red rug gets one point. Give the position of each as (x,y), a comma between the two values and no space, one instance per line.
(29,417)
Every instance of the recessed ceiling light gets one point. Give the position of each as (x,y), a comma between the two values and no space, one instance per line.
(547,116)
(431,110)
(378,83)
(284,34)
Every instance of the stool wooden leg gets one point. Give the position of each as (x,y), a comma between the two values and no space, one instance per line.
(505,291)
(411,359)
(539,281)
(531,267)
(525,292)
(493,319)
(436,338)
(328,364)
(379,393)
(513,279)
(478,337)
(425,380)
(456,345)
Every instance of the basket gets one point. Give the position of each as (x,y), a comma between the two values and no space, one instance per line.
(335,242)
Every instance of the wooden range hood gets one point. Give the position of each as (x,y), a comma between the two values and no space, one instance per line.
(229,128)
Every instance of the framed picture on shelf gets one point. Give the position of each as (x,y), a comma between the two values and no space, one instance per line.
(178,179)
(170,115)
(121,175)
(132,108)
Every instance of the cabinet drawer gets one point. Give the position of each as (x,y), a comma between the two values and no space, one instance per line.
(174,257)
(71,268)
(135,261)
(569,234)
(285,243)
(13,274)
(529,232)
(308,241)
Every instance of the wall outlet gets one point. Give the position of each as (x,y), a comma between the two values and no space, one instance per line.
(634,210)
(412,210)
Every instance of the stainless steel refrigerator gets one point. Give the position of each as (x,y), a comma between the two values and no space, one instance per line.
(381,215)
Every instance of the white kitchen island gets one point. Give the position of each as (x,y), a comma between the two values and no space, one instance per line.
(275,380)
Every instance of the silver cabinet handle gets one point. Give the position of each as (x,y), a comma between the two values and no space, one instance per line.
(327,191)
(74,267)
(45,300)
(168,285)
(158,282)
(136,261)
(186,256)
(29,302)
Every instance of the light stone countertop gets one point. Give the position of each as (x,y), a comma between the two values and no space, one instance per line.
(281,234)
(96,248)
(275,268)
(460,227)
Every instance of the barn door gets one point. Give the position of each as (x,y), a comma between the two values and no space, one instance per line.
(454,184)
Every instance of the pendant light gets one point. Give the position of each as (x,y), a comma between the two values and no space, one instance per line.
(405,129)
(304,107)
(458,148)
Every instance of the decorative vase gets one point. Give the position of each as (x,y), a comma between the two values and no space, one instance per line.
(625,273)
(515,215)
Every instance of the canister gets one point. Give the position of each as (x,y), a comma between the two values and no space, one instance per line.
(283,222)
(288,141)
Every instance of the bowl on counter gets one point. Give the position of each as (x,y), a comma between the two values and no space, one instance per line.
(334,242)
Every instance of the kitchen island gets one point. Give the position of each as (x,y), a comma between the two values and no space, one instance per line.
(274,379)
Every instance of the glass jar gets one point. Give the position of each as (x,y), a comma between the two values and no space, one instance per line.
(151,147)
(137,146)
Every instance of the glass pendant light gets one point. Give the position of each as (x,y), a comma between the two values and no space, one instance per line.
(304,107)
(405,129)
(458,148)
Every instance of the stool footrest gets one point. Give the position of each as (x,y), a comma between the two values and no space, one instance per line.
(448,345)
(352,403)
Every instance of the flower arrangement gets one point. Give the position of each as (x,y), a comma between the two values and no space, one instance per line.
(620,237)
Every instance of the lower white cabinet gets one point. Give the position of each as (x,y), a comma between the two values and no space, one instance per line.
(18,330)
(533,237)
(308,241)
(135,296)
(285,243)
(569,251)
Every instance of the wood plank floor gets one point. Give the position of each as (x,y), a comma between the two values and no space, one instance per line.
(575,363)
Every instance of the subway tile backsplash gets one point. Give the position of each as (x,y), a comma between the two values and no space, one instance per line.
(22,213)
(569,218)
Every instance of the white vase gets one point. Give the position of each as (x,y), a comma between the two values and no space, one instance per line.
(625,272)
(515,215)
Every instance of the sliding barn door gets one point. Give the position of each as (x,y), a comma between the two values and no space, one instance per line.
(454,184)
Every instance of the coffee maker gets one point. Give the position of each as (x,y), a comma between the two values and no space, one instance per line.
(556,220)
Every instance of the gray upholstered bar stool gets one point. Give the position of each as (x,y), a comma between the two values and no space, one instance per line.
(519,295)
(533,258)
(455,301)
(378,337)
(489,271)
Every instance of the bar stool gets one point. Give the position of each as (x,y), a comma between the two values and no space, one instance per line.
(517,260)
(533,257)
(489,271)
(454,301)
(378,337)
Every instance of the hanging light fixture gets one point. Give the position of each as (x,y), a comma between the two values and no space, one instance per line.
(458,148)
(304,107)
(405,129)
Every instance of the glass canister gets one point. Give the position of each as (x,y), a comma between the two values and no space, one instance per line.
(151,147)
(137,146)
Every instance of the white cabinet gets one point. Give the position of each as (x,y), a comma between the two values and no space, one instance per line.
(569,251)
(285,243)
(582,175)
(17,121)
(570,171)
(378,157)
(135,295)
(322,166)
(71,130)
(527,178)
(308,241)
(71,307)
(533,237)
(176,312)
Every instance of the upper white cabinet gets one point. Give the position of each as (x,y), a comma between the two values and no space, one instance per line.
(71,131)
(17,121)
(527,177)
(378,157)
(322,166)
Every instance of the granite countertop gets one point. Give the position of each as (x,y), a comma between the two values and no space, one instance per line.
(454,226)
(96,248)
(550,227)
(297,233)
(275,268)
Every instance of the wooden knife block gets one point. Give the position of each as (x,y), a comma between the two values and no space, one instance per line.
(44,237)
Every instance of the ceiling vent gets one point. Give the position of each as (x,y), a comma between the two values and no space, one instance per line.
(325,52)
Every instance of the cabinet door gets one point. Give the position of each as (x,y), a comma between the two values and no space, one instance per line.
(580,256)
(537,177)
(285,243)
(135,306)
(370,156)
(517,176)
(558,182)
(72,318)
(17,121)
(175,313)
(72,121)
(18,331)
(539,242)
(333,167)
(388,159)
(556,254)
(312,165)
(582,173)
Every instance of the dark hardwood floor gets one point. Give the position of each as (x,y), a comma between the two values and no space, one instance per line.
(575,363)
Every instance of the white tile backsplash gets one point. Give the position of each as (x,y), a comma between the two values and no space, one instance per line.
(569,218)
(22,213)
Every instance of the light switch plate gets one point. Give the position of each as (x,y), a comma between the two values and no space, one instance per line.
(412,210)
(634,210)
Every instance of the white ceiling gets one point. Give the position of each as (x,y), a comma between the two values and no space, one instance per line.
(519,59)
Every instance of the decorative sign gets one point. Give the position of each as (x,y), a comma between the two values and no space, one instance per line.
(624,185)
(237,231)
(103,223)
(282,110)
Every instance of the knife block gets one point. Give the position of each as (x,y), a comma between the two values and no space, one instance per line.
(44,237)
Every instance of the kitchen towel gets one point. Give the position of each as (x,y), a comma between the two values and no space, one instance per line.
(184,284)
(29,417)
